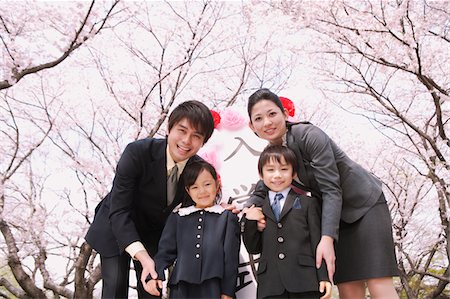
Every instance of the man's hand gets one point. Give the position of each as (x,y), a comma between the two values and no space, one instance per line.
(325,251)
(154,287)
(325,287)
(148,267)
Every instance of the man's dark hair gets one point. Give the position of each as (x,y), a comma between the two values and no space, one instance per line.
(198,115)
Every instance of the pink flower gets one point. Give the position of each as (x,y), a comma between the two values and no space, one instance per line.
(211,157)
(232,120)
(288,105)
(216,117)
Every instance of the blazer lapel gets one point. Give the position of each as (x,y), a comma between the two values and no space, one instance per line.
(159,165)
(288,203)
(267,209)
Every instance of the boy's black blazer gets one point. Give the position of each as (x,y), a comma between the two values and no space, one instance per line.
(287,247)
(136,208)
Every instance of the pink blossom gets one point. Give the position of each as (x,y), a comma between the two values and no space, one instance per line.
(211,157)
(232,120)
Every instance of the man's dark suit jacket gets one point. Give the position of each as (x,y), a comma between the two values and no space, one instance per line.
(136,208)
(346,189)
(287,247)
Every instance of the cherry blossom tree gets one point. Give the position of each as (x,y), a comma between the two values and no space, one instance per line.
(41,35)
(386,61)
(35,37)
(65,122)
(118,87)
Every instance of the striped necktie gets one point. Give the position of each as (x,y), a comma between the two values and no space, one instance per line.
(172,182)
(276,206)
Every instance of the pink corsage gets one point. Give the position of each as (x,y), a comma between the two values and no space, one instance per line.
(232,120)
(211,157)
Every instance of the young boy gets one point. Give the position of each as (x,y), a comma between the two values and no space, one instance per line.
(129,221)
(288,240)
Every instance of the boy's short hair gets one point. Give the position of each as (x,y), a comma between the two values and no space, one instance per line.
(197,114)
(276,152)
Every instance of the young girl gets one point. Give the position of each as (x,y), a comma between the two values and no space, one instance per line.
(204,240)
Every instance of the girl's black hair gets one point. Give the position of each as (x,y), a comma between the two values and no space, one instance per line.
(190,175)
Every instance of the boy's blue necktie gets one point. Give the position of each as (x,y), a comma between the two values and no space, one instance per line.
(276,206)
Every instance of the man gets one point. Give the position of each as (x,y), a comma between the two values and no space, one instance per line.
(129,221)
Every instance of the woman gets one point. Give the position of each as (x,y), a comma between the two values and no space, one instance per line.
(355,214)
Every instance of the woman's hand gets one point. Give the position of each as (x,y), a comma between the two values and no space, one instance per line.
(325,250)
(223,296)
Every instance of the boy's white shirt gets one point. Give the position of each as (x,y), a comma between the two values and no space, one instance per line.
(285,193)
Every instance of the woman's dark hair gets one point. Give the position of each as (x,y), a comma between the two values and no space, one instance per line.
(190,175)
(262,94)
(275,153)
(197,114)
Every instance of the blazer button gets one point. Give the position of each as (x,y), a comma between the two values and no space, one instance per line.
(198,236)
(281,256)
(201,212)
(200,219)
(279,225)
(197,245)
(280,240)
(199,227)
(197,255)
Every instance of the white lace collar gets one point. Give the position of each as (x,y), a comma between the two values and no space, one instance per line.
(191,209)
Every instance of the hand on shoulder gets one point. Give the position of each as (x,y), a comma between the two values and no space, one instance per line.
(230,207)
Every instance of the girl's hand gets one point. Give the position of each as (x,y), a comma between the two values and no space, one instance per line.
(261,225)
(154,287)
(223,296)
(325,286)
(254,213)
